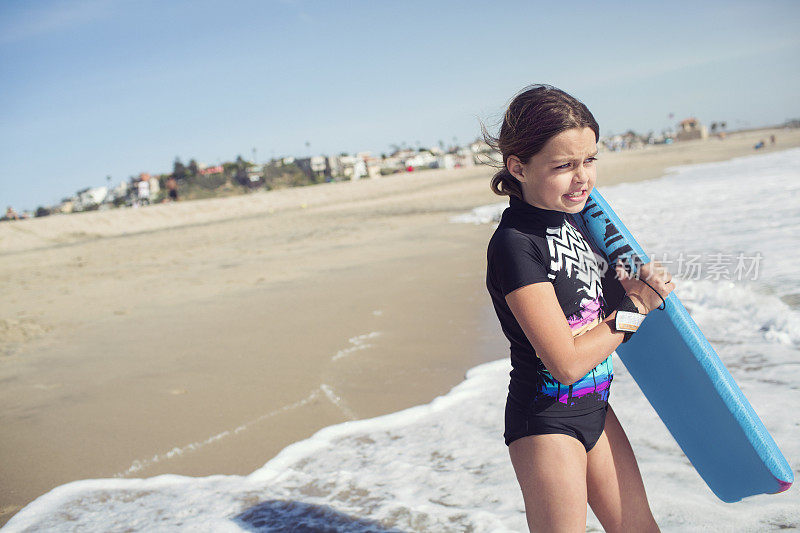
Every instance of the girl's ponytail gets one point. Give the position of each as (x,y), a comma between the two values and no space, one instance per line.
(504,184)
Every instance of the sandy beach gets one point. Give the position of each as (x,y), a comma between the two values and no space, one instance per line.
(203,337)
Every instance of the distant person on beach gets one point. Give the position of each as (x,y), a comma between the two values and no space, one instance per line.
(566,444)
(772,139)
(143,190)
(172,187)
(11,214)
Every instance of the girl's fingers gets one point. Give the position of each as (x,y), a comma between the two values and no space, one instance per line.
(659,273)
(654,273)
(622,273)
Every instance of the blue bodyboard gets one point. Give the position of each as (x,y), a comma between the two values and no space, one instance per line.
(685,381)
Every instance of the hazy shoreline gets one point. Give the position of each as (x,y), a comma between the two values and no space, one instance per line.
(639,164)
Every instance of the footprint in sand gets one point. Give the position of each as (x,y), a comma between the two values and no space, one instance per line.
(21,330)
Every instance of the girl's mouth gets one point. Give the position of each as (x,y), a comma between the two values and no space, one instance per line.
(576,197)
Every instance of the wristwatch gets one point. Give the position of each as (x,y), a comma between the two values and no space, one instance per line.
(628,317)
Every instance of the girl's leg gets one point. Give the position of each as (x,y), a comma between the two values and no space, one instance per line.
(615,488)
(551,470)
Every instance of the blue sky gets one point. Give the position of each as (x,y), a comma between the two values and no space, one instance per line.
(93,88)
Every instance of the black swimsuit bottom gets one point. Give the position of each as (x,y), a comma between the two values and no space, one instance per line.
(586,427)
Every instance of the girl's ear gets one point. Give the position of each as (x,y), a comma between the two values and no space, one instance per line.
(515,167)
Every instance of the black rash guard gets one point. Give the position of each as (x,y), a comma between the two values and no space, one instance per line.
(534,245)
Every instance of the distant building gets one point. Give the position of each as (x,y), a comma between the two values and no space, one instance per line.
(343,165)
(211,170)
(462,158)
(319,165)
(255,173)
(391,164)
(420,160)
(316,166)
(622,141)
(121,190)
(690,129)
(492,158)
(359,169)
(480,147)
(88,198)
(484,154)
(353,167)
(66,206)
(373,168)
(405,153)
(335,164)
(447,161)
(465,157)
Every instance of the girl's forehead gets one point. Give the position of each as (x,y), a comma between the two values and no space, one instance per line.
(570,142)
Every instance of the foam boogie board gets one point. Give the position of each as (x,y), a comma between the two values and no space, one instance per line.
(684,380)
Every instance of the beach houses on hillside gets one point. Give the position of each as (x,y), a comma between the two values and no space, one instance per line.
(364,164)
(144,188)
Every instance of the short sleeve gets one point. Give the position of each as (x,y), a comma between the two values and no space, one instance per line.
(515,261)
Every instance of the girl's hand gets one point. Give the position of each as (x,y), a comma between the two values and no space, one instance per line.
(643,296)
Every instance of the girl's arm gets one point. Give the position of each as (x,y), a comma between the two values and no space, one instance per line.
(569,358)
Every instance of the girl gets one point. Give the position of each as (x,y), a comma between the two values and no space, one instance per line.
(567,446)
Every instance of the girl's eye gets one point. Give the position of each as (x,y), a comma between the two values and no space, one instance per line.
(589,160)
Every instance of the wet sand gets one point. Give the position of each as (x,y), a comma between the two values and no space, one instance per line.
(203,337)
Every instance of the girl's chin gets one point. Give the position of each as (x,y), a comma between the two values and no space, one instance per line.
(572,207)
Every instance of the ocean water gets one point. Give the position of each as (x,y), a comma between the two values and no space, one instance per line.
(443,466)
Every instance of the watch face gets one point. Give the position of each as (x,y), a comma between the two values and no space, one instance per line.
(627,321)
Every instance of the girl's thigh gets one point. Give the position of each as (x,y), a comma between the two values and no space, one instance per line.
(551,470)
(615,488)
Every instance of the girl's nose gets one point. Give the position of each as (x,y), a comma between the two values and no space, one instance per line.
(581,174)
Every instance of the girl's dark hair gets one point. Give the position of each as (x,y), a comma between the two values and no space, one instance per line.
(535,115)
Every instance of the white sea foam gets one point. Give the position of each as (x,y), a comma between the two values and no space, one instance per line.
(337,400)
(481,215)
(748,205)
(357,343)
(443,466)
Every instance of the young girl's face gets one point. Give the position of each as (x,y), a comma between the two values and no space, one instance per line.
(561,176)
